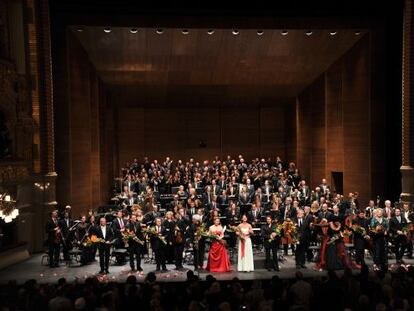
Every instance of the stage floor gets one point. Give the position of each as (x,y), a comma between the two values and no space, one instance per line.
(33,269)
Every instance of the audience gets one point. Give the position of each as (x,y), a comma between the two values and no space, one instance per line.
(366,291)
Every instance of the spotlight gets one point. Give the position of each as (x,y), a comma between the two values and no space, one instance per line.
(159,31)
(133,30)
(309,33)
(210,31)
(185,32)
(333,33)
(260,32)
(80,29)
(357,32)
(284,32)
(107,30)
(235,32)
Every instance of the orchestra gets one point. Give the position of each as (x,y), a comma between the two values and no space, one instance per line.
(165,213)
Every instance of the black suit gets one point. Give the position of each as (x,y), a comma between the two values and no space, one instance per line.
(135,249)
(53,241)
(159,248)
(290,213)
(65,224)
(304,235)
(400,241)
(359,240)
(179,245)
(270,246)
(104,248)
(198,247)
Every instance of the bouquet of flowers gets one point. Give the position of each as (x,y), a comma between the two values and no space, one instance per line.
(152,231)
(360,230)
(290,230)
(95,239)
(236,229)
(87,242)
(130,235)
(277,231)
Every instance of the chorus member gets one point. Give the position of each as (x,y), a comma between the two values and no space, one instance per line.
(135,248)
(245,250)
(105,233)
(271,242)
(54,239)
(218,259)
(396,226)
(379,227)
(158,246)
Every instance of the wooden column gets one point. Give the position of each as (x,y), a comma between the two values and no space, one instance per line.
(407,170)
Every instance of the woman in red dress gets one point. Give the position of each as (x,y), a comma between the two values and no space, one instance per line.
(218,259)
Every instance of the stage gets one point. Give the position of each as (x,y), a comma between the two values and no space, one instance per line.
(33,269)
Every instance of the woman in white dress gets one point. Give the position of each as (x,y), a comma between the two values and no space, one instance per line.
(245,250)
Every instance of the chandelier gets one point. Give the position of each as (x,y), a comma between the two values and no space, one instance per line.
(8,210)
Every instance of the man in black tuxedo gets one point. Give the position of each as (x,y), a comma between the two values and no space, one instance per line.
(65,224)
(179,241)
(359,239)
(53,239)
(397,223)
(118,227)
(215,189)
(208,197)
(254,216)
(250,189)
(303,221)
(135,248)
(287,210)
(267,192)
(223,199)
(158,246)
(192,209)
(270,243)
(106,233)
(305,192)
(197,241)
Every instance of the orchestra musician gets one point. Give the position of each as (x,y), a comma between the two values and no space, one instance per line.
(170,229)
(104,232)
(360,237)
(287,212)
(82,232)
(135,246)
(54,239)
(379,228)
(397,224)
(179,239)
(158,246)
(303,222)
(409,217)
(197,242)
(66,223)
(271,243)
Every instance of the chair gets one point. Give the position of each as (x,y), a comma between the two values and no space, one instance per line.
(76,254)
(118,256)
